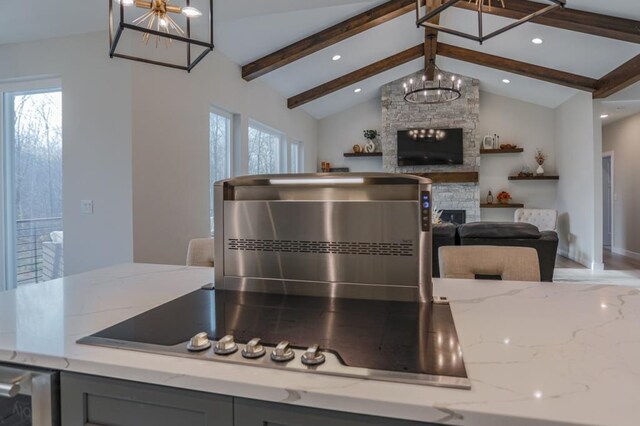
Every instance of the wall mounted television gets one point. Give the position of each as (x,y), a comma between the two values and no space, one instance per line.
(425,147)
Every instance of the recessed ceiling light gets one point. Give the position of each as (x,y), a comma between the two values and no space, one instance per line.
(537,41)
(604,116)
(336,57)
(358,90)
(506,81)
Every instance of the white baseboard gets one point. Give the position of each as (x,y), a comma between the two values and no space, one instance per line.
(624,252)
(587,263)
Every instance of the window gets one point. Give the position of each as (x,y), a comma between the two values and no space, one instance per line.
(220,137)
(32,185)
(296,157)
(265,150)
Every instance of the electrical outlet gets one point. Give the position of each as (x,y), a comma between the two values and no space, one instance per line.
(86,206)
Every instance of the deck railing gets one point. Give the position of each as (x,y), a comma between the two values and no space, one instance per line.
(30,234)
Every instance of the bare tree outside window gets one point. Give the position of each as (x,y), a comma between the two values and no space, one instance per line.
(264,150)
(33,178)
(219,151)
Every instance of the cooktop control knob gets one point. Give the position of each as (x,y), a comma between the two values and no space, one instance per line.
(225,346)
(254,349)
(199,342)
(313,356)
(283,352)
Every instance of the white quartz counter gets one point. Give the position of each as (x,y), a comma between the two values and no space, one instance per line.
(535,353)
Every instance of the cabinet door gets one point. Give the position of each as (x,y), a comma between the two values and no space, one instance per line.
(257,413)
(96,401)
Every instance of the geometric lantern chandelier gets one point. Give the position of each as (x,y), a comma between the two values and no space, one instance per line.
(156,21)
(424,16)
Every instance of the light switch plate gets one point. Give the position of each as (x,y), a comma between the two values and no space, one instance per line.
(86,206)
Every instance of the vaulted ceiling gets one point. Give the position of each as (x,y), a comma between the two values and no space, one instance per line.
(246,30)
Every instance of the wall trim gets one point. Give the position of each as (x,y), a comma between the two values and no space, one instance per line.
(625,252)
(611,154)
(587,263)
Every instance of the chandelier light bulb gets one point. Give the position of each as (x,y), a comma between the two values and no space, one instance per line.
(426,90)
(190,12)
(163,22)
(126,2)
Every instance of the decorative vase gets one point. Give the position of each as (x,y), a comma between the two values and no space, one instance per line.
(540,170)
(504,201)
(357,149)
(490,198)
(370,146)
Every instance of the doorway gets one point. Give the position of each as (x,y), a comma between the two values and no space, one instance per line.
(607,199)
(31,183)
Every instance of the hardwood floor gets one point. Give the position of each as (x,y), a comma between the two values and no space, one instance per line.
(566,263)
(612,262)
(619,270)
(618,262)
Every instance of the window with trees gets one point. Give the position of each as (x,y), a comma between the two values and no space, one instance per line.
(265,150)
(32,182)
(220,148)
(296,157)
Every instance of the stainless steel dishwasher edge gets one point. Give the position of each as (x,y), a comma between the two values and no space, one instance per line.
(29,396)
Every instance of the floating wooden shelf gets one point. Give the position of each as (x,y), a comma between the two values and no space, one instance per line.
(534,177)
(501,151)
(450,177)
(502,206)
(363,154)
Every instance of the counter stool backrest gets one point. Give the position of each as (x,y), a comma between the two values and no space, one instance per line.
(510,263)
(200,252)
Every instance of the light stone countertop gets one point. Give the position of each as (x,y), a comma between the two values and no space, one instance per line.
(535,353)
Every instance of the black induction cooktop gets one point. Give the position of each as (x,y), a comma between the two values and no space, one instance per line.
(388,336)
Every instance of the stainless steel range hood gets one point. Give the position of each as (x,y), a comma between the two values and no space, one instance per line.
(334,235)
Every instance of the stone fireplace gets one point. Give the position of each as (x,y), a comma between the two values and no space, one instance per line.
(458,217)
(463,113)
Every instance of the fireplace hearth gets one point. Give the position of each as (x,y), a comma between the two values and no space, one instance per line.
(457,217)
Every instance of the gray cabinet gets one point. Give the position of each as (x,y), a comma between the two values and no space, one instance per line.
(257,413)
(96,401)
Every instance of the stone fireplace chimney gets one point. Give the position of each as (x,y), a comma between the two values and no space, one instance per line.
(464,113)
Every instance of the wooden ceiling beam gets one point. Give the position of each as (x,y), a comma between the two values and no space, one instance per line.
(325,38)
(472,56)
(567,19)
(618,79)
(516,67)
(356,76)
(431,40)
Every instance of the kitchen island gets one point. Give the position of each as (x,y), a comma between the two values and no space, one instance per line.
(535,353)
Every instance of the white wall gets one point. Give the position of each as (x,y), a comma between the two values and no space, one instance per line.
(623,138)
(530,127)
(579,151)
(338,133)
(135,140)
(170,147)
(96,121)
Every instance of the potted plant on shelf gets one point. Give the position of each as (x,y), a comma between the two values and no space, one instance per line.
(540,157)
(504,197)
(370,136)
